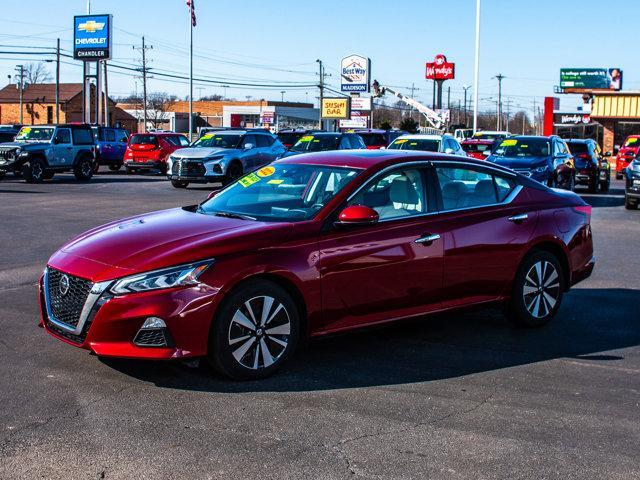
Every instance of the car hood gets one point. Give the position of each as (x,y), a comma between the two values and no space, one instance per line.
(24,145)
(160,239)
(202,152)
(519,162)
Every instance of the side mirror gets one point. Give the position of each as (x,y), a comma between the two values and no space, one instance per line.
(358,215)
(248,146)
(383,148)
(607,154)
(56,141)
(212,194)
(449,151)
(486,153)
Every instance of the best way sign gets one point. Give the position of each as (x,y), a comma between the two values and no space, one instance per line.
(355,71)
(92,37)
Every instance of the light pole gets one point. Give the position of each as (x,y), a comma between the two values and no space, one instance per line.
(465,88)
(20,70)
(499,77)
(282,92)
(476,70)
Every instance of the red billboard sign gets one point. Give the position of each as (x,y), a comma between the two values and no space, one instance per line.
(440,69)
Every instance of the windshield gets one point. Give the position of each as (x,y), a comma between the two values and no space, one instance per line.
(142,139)
(219,140)
(373,139)
(35,133)
(316,143)
(289,138)
(280,193)
(576,147)
(424,144)
(631,142)
(476,147)
(522,147)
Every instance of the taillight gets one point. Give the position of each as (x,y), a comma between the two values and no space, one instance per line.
(583,155)
(584,210)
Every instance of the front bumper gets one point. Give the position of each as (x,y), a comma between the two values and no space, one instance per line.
(196,171)
(632,187)
(115,321)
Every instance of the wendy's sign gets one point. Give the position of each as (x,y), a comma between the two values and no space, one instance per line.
(440,69)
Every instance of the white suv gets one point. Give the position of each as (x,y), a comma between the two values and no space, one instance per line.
(444,143)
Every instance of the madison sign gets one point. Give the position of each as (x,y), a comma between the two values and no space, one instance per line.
(440,69)
(92,37)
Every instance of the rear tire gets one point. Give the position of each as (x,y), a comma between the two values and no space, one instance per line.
(84,168)
(630,204)
(537,290)
(49,174)
(593,185)
(130,171)
(618,176)
(115,168)
(179,184)
(605,184)
(247,343)
(33,171)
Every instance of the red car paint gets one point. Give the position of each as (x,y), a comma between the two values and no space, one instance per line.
(627,153)
(345,277)
(475,148)
(152,151)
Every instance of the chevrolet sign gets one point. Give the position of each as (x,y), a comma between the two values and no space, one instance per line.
(92,37)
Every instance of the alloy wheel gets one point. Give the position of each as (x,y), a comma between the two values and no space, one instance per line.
(36,171)
(87,168)
(259,332)
(541,289)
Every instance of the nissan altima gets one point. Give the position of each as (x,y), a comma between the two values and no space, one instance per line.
(315,244)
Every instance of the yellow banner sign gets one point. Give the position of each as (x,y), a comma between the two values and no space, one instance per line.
(333,108)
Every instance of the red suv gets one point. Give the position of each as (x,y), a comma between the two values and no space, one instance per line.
(626,154)
(477,148)
(314,244)
(149,151)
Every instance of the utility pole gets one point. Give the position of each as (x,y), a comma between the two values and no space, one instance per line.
(465,88)
(321,87)
(106,95)
(144,49)
(282,92)
(535,123)
(524,116)
(58,81)
(20,70)
(508,111)
(499,77)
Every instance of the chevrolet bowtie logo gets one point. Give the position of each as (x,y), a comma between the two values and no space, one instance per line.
(91,26)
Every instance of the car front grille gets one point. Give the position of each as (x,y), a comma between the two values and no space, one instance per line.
(188,169)
(8,154)
(67,296)
(151,338)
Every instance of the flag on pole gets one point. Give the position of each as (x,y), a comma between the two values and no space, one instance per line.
(192,9)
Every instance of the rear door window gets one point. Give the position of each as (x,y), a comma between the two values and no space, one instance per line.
(63,135)
(262,141)
(465,188)
(109,135)
(82,136)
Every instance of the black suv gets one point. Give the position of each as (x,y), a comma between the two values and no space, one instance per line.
(591,168)
(40,151)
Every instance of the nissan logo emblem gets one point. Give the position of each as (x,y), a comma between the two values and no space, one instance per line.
(64,285)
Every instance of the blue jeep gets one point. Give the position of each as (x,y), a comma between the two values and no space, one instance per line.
(111,144)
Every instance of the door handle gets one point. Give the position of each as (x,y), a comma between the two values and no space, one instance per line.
(518,218)
(427,239)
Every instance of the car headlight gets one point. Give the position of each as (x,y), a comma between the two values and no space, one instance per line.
(541,169)
(178,276)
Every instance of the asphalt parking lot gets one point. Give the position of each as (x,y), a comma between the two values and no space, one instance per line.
(456,396)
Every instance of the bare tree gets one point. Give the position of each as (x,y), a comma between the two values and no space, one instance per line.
(157,107)
(36,73)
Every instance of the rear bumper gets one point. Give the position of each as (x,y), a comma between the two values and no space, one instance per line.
(159,164)
(583,272)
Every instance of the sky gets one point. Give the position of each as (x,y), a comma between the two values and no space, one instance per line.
(277,42)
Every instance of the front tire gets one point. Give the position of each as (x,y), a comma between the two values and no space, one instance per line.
(84,169)
(254,332)
(115,168)
(537,290)
(618,176)
(605,184)
(234,172)
(179,184)
(630,204)
(33,171)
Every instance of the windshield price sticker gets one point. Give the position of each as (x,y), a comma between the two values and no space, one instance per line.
(306,138)
(509,143)
(249,180)
(403,140)
(275,182)
(632,141)
(206,136)
(266,172)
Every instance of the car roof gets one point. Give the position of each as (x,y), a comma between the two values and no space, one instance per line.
(487,141)
(422,136)
(578,140)
(500,132)
(364,159)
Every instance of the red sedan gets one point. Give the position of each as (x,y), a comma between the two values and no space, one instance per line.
(315,244)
